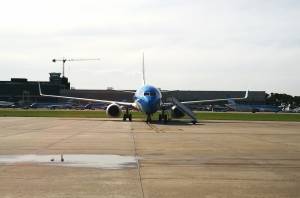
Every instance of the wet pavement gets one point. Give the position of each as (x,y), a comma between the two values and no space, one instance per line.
(73,160)
(111,158)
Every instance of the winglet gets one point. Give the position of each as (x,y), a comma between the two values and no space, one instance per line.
(246,94)
(40,92)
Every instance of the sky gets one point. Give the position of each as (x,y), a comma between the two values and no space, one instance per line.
(188,44)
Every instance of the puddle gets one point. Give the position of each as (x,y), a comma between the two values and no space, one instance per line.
(74,160)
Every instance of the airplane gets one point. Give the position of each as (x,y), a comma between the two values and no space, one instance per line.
(251,108)
(5,104)
(51,105)
(147,99)
(296,110)
(95,106)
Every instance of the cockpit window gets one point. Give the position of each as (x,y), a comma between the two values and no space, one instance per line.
(149,94)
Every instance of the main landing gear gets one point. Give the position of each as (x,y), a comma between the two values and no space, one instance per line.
(163,117)
(128,115)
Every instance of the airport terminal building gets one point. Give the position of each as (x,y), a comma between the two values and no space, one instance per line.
(20,90)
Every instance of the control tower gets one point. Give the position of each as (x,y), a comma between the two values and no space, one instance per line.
(56,79)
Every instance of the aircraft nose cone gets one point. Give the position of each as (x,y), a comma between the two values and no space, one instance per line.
(152,104)
(148,105)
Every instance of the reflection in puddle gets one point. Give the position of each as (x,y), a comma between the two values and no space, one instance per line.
(74,160)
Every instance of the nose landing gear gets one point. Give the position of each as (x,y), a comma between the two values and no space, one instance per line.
(148,120)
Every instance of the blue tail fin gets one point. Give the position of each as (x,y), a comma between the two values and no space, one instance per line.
(144,78)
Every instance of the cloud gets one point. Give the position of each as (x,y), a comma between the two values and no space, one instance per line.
(194,44)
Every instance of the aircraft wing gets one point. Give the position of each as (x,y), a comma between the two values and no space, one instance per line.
(87,99)
(167,91)
(215,100)
(124,91)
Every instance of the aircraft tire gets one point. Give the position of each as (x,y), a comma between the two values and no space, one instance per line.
(148,119)
(130,117)
(124,117)
(165,118)
(160,117)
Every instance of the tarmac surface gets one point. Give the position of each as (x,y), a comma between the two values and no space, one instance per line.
(210,159)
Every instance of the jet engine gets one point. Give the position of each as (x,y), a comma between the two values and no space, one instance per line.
(114,111)
(176,113)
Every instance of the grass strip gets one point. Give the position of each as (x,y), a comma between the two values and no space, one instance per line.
(102,114)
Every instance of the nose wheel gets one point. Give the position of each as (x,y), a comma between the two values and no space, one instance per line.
(148,120)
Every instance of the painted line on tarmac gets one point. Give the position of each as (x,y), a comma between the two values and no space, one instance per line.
(137,159)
